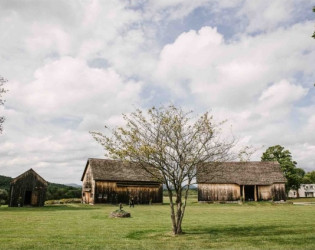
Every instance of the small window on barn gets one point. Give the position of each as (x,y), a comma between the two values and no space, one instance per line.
(293,193)
(306,187)
(311,187)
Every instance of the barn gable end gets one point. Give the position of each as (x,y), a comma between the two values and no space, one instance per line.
(28,188)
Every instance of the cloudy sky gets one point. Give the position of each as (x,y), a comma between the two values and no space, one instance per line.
(74,66)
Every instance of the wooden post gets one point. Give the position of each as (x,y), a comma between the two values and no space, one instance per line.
(244,192)
(255,193)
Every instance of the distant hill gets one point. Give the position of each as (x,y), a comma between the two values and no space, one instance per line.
(5,182)
(73,185)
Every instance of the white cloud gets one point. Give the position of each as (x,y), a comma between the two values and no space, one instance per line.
(48,39)
(69,87)
(266,15)
(233,74)
(279,98)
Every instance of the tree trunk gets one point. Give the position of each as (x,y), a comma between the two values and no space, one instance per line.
(174,227)
(177,214)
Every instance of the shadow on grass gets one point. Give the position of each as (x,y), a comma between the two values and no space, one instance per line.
(221,232)
(234,231)
(48,208)
(141,234)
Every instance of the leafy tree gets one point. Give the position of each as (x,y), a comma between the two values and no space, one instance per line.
(168,143)
(309,178)
(293,174)
(2,91)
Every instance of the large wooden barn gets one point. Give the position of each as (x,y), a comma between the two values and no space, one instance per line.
(28,189)
(112,181)
(231,181)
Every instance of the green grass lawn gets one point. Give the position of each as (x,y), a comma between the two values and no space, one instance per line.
(229,226)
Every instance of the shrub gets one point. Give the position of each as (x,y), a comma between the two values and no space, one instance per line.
(3,197)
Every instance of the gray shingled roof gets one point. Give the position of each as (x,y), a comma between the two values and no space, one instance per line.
(115,170)
(32,172)
(242,173)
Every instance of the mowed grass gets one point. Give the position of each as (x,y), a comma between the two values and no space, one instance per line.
(227,226)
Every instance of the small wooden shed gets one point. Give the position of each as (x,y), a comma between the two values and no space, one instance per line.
(28,189)
(231,181)
(113,181)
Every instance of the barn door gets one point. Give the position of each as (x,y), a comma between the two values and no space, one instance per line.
(27,197)
(87,197)
(34,198)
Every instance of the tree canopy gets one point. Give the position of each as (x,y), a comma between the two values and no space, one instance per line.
(168,143)
(309,178)
(293,174)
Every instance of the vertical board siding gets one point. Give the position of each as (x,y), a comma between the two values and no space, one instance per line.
(109,192)
(218,192)
(88,187)
(27,183)
(231,192)
(264,193)
(278,192)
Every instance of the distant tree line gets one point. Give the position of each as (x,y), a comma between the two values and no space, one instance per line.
(59,191)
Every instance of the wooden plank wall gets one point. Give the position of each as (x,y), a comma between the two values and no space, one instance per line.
(29,182)
(110,192)
(218,192)
(278,192)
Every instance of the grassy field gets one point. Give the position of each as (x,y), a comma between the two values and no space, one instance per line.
(227,226)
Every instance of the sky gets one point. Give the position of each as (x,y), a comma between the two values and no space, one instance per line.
(74,66)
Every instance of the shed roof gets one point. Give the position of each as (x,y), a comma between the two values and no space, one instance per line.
(28,172)
(116,170)
(242,173)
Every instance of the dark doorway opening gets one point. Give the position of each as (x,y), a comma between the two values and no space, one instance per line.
(28,197)
(250,193)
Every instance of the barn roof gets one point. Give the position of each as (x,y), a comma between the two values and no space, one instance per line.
(242,173)
(116,170)
(32,172)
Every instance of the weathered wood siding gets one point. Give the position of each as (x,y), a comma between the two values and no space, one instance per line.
(278,192)
(264,193)
(121,192)
(88,187)
(27,189)
(218,192)
(231,192)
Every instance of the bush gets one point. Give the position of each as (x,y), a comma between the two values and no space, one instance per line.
(3,197)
